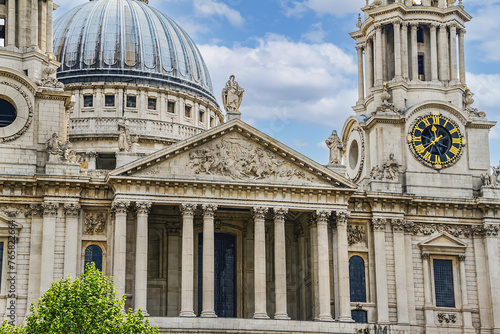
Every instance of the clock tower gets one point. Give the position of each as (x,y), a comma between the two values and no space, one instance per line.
(33,105)
(415,130)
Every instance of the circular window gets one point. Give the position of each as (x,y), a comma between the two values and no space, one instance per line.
(7,113)
(353,154)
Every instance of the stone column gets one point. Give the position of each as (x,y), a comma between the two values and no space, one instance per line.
(48,245)
(50,23)
(187,274)
(398,226)
(397,50)
(11,23)
(92,156)
(313,236)
(461,54)
(72,212)
(453,54)
(466,309)
(414,52)
(369,64)
(410,283)
(259,215)
(434,57)
(280,264)
(444,73)
(34,24)
(343,267)
(208,308)
(380,269)
(493,262)
(323,266)
(404,48)
(361,83)
(379,44)
(120,246)
(141,257)
(299,235)
(35,260)
(428,308)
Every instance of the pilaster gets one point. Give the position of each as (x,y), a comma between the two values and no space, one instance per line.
(380,269)
(398,227)
(72,212)
(120,246)
(48,245)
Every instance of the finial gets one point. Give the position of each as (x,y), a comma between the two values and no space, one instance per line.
(359,21)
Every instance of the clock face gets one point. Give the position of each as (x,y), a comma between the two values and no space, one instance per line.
(436,140)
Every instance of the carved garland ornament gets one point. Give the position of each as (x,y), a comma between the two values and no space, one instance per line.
(447,318)
(235,158)
(29,116)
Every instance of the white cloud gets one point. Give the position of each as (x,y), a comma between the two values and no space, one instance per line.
(316,34)
(322,7)
(285,80)
(209,8)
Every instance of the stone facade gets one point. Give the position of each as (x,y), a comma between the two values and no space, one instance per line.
(290,230)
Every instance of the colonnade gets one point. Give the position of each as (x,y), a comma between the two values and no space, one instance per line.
(444,63)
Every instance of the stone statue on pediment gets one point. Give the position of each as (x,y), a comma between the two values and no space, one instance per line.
(336,148)
(54,145)
(232,95)
(124,140)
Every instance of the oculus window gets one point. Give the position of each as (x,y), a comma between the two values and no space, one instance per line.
(7,113)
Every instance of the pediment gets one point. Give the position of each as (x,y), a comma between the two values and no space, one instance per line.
(443,243)
(233,152)
(5,222)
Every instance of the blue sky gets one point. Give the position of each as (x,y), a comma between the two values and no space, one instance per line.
(297,62)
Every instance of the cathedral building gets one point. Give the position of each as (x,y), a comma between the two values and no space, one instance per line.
(114,150)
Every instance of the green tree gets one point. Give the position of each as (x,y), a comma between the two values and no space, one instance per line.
(87,305)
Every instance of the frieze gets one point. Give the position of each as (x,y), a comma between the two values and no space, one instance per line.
(429,229)
(356,234)
(237,158)
(447,318)
(95,222)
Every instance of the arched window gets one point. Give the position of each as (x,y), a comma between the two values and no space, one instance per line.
(93,253)
(357,282)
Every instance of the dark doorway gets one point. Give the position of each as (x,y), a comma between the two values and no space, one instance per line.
(225,274)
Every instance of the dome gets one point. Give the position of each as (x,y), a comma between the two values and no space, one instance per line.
(116,40)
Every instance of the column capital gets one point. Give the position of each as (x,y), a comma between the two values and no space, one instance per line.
(322,216)
(120,206)
(259,212)
(187,209)
(379,223)
(462,32)
(404,25)
(461,258)
(414,25)
(452,25)
(50,208)
(398,225)
(143,208)
(92,154)
(209,210)
(443,26)
(433,26)
(279,213)
(491,230)
(72,209)
(360,47)
(395,22)
(342,217)
(35,210)
(377,26)
(425,256)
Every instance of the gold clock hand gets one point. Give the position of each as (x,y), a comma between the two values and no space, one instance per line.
(433,129)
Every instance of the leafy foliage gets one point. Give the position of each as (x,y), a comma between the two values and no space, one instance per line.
(87,305)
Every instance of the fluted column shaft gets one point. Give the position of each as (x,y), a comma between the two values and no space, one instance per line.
(397,50)
(414,52)
(187,268)
(379,44)
(361,83)
(259,215)
(120,246)
(453,54)
(48,245)
(369,64)
(208,308)
(444,73)
(434,55)
(404,52)
(72,212)
(461,54)
(343,267)
(141,257)
(380,269)
(280,264)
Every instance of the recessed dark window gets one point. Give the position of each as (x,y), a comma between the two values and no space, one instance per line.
(93,253)
(212,122)
(171,107)
(131,101)
(421,67)
(2,2)
(152,103)
(187,111)
(106,161)
(359,316)
(420,35)
(88,101)
(2,30)
(357,281)
(7,113)
(109,100)
(443,283)
(202,116)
